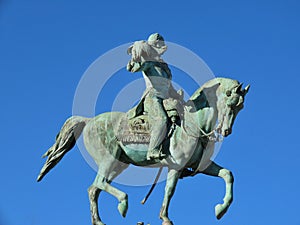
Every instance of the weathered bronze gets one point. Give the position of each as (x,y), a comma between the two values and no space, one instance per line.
(146,57)
(190,130)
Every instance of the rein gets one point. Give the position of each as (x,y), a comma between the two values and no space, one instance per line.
(213,135)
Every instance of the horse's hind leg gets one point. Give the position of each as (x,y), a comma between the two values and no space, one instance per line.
(103,184)
(215,170)
(94,192)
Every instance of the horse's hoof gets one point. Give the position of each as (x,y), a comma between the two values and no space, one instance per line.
(123,207)
(98,223)
(220,210)
(167,223)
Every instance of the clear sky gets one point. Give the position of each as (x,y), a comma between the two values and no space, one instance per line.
(45,48)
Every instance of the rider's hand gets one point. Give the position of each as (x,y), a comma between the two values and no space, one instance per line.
(133,66)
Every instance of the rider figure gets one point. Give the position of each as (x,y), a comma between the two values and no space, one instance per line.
(158,88)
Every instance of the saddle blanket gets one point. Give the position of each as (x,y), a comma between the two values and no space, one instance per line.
(134,131)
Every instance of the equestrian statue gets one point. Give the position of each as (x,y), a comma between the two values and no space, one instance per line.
(162,130)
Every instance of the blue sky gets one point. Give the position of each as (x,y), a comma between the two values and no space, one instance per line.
(45,48)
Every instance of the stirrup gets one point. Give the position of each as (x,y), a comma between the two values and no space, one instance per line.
(155,154)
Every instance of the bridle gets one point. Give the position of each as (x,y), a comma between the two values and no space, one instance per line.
(214,135)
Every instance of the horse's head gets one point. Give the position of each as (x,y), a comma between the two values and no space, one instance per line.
(225,97)
(230,102)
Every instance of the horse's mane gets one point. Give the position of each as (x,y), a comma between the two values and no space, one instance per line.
(224,84)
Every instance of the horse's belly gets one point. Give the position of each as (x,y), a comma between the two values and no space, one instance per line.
(137,153)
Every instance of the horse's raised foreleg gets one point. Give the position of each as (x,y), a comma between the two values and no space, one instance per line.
(171,183)
(215,170)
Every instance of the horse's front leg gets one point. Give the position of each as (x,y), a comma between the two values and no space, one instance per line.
(215,170)
(172,179)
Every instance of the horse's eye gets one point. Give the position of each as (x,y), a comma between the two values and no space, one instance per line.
(228,93)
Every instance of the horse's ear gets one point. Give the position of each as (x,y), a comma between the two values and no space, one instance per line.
(245,91)
(239,88)
(129,50)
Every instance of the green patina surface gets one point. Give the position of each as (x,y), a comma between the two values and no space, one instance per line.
(194,125)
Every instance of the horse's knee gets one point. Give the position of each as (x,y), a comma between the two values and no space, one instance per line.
(123,197)
(226,175)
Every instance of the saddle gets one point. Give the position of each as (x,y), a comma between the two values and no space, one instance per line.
(137,129)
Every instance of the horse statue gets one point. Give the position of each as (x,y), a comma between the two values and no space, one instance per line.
(185,147)
(114,142)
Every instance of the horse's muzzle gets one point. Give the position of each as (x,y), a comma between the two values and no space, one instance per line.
(227,132)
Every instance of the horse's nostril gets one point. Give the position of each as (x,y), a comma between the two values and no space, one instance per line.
(227,132)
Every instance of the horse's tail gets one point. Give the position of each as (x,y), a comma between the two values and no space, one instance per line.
(65,141)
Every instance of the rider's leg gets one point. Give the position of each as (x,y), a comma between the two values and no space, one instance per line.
(158,120)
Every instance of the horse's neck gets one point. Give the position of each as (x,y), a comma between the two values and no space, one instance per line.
(193,126)
(202,120)
(207,118)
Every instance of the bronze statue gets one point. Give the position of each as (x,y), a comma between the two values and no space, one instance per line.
(117,139)
(146,58)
